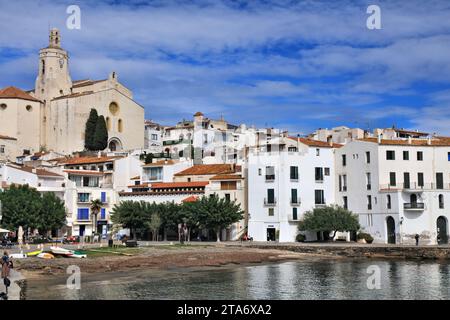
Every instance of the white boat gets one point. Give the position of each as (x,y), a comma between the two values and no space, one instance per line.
(61,251)
(18,255)
(79,256)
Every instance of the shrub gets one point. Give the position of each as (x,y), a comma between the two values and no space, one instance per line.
(365,236)
(300,238)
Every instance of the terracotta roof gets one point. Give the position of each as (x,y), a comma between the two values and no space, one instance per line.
(435,142)
(209,169)
(316,143)
(16,93)
(190,199)
(38,172)
(88,160)
(85,172)
(171,185)
(160,193)
(74,95)
(227,177)
(7,138)
(159,163)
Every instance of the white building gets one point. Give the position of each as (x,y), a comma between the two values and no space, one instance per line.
(398,187)
(153,137)
(285,182)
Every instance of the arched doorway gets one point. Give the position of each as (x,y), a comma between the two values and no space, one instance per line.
(114,145)
(413,199)
(441,228)
(390,226)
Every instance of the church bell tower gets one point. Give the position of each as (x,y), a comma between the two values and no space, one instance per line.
(53,78)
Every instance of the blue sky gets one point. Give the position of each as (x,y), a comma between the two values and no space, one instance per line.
(295,65)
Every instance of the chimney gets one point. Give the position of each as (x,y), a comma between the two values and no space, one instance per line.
(330,141)
(409,140)
(380,136)
(429,141)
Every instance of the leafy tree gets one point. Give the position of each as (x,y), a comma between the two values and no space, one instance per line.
(100,141)
(329,219)
(155,224)
(149,158)
(171,216)
(132,214)
(95,206)
(89,133)
(215,213)
(52,214)
(21,205)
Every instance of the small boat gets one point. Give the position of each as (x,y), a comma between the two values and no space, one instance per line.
(61,251)
(79,256)
(18,256)
(34,253)
(45,255)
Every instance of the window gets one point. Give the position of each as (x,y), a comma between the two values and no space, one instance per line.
(259,171)
(294,214)
(29,108)
(227,197)
(83,214)
(270,196)
(327,171)
(405,155)
(294,198)
(344,160)
(319,197)
(369,202)
(419,155)
(294,173)
(448,156)
(154,137)
(103,214)
(2,149)
(228,185)
(367,156)
(319,174)
(271,212)
(441,201)
(392,179)
(318,152)
(108,123)
(3,106)
(369,219)
(344,182)
(113,108)
(83,197)
(270,173)
(345,200)
(390,155)
(103,197)
(420,180)
(406,180)
(369,181)
(389,202)
(340,182)
(292,149)
(120,125)
(439,180)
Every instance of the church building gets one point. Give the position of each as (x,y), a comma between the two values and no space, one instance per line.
(53,116)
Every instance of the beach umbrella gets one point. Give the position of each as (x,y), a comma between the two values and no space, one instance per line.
(20,235)
(4,230)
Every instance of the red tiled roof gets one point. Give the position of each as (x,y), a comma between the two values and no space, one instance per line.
(190,199)
(85,172)
(171,185)
(7,138)
(316,143)
(209,169)
(227,177)
(436,141)
(138,186)
(16,93)
(88,160)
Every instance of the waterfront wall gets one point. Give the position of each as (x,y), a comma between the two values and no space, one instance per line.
(364,251)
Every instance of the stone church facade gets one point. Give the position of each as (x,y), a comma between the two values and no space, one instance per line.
(53,115)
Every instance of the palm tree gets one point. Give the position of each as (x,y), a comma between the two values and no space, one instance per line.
(95,206)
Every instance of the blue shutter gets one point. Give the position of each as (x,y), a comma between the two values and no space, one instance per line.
(103,199)
(83,214)
(103,214)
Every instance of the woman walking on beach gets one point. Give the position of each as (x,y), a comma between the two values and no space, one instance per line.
(5,265)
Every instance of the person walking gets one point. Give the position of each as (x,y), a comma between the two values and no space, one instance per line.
(417,239)
(5,265)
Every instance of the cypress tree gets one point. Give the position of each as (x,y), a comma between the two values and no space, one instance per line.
(101,134)
(89,132)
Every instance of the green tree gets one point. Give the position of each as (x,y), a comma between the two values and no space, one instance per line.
(149,158)
(329,219)
(100,141)
(133,215)
(21,206)
(155,225)
(171,215)
(52,214)
(95,206)
(215,213)
(89,132)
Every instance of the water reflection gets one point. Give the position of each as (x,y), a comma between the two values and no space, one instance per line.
(311,279)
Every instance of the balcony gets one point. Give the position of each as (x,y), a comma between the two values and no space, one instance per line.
(295,202)
(415,187)
(84,200)
(270,177)
(414,206)
(270,202)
